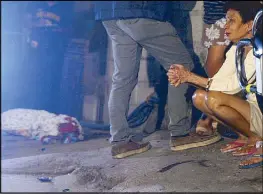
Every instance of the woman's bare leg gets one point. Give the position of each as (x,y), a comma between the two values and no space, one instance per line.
(214,62)
(199,100)
(234,112)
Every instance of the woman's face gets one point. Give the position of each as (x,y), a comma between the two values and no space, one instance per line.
(235,29)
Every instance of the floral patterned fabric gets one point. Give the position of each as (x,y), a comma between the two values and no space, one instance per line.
(214,34)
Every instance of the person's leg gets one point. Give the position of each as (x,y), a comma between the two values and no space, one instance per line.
(127,55)
(256,127)
(217,47)
(47,79)
(29,89)
(234,112)
(42,80)
(161,90)
(199,101)
(161,41)
(214,61)
(231,111)
(204,125)
(56,66)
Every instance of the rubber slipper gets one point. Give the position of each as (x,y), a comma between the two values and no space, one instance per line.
(252,165)
(259,144)
(235,146)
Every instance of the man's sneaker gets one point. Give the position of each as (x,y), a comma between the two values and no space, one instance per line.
(193,140)
(125,149)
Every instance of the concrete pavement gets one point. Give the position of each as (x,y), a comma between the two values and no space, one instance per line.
(88,166)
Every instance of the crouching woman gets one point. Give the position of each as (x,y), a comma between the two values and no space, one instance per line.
(216,99)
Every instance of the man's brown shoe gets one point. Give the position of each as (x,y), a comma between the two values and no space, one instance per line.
(125,149)
(193,140)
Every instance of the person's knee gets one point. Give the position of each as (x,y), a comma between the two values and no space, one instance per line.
(124,81)
(198,98)
(213,100)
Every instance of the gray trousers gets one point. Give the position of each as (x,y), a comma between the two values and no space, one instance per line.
(160,40)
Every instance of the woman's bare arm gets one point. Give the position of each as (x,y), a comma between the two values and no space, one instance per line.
(178,74)
(197,80)
(215,59)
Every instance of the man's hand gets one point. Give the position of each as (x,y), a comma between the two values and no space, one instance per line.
(177,75)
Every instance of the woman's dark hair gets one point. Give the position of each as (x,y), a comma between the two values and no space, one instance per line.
(247,9)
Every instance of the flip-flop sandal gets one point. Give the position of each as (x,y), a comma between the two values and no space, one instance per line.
(250,151)
(259,144)
(234,146)
(254,165)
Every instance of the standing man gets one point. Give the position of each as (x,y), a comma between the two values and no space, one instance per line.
(131,26)
(49,23)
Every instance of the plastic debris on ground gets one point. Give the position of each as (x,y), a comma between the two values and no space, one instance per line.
(45,179)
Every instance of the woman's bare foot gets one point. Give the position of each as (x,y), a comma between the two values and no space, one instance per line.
(249,148)
(204,127)
(232,146)
(255,160)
